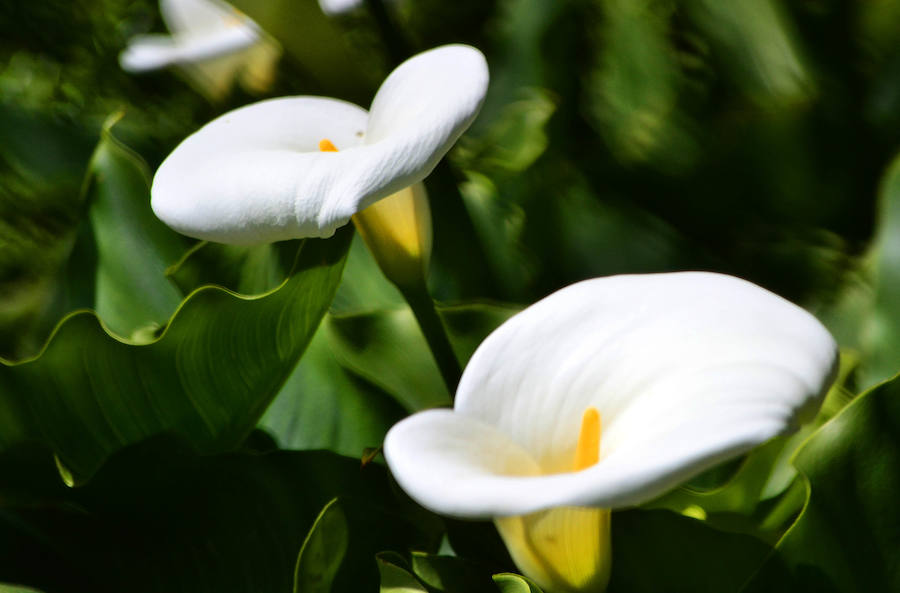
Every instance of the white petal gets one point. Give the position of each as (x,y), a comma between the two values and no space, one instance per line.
(256,174)
(201,16)
(686,369)
(218,185)
(472,462)
(332,7)
(150,52)
(418,113)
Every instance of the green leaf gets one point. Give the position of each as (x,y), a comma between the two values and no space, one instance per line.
(42,162)
(514,583)
(758,42)
(246,270)
(865,320)
(323,406)
(661,551)
(364,288)
(635,88)
(450,574)
(397,580)
(133,247)
(323,551)
(209,376)
(164,519)
(881,357)
(760,493)
(388,349)
(846,539)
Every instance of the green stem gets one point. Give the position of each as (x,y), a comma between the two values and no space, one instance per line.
(416,294)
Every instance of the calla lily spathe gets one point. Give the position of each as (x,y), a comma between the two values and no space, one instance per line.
(260,173)
(682,371)
(212,42)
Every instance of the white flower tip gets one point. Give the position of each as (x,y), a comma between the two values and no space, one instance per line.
(147,52)
(334,7)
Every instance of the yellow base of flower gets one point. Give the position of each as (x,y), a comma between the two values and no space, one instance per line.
(564,550)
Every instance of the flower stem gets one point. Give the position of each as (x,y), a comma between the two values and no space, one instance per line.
(422,305)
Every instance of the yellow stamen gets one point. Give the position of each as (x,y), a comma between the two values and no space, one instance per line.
(397,230)
(564,549)
(587,451)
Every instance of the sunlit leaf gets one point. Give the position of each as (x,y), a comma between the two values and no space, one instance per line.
(209,376)
(846,538)
(395,579)
(323,406)
(759,494)
(133,246)
(246,270)
(514,583)
(387,348)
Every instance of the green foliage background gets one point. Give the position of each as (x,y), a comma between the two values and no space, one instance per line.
(192,417)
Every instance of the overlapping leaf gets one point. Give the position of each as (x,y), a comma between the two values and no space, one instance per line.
(208,374)
(846,539)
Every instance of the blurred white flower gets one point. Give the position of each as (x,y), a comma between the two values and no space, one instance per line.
(331,7)
(302,166)
(605,395)
(212,42)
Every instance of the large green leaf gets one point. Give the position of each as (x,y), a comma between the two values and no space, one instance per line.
(323,406)
(847,538)
(209,375)
(133,247)
(159,518)
(388,349)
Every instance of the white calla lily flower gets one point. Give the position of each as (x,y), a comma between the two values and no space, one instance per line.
(212,42)
(605,395)
(302,166)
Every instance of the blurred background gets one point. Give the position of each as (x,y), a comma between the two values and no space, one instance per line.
(748,137)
